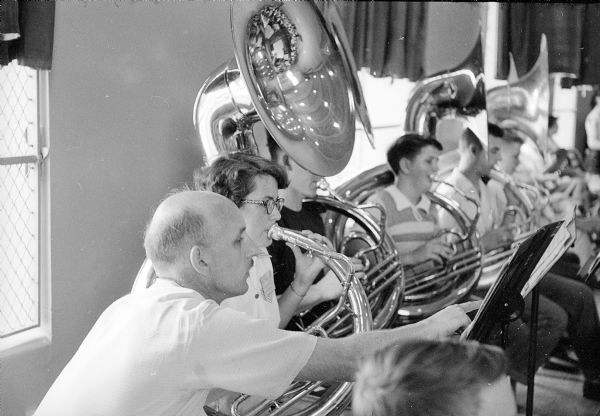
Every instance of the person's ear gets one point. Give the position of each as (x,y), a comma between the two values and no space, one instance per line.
(285,160)
(197,260)
(474,150)
(404,165)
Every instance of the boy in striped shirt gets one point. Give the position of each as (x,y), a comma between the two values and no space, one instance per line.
(411,218)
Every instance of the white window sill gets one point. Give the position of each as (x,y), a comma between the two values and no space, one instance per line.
(25,341)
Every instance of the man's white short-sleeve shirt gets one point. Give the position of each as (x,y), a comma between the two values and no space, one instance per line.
(260,301)
(160,351)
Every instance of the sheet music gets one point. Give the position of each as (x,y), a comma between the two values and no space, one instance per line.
(562,239)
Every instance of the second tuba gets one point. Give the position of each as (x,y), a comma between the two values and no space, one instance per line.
(291,72)
(295,75)
(427,288)
(451,94)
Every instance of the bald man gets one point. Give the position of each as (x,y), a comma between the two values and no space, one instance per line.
(160,351)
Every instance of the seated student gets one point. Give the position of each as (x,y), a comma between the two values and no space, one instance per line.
(558,205)
(560,296)
(252,183)
(411,219)
(564,176)
(297,215)
(412,222)
(434,378)
(160,351)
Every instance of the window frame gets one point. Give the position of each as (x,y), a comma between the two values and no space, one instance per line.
(40,335)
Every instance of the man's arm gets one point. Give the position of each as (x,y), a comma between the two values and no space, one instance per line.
(337,359)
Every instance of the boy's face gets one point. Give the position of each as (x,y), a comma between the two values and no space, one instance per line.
(510,156)
(423,168)
(487,160)
(302,181)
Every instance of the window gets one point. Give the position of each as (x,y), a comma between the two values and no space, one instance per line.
(24,283)
(386,100)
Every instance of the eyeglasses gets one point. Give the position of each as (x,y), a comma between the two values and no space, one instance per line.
(269,204)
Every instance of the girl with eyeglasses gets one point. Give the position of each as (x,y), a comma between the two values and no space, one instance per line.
(252,183)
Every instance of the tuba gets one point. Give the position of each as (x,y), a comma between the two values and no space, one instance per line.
(523,105)
(458,92)
(352,305)
(429,287)
(384,280)
(294,73)
(426,288)
(524,214)
(291,72)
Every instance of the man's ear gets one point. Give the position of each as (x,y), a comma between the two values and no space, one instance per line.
(474,150)
(197,260)
(404,165)
(285,160)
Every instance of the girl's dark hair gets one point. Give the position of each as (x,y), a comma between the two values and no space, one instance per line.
(233,175)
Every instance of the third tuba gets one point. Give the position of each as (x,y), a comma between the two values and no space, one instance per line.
(522,107)
(456,93)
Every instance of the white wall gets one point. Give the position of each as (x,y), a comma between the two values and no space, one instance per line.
(122,89)
(452,29)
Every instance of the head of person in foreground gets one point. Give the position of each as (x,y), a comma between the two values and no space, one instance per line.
(434,378)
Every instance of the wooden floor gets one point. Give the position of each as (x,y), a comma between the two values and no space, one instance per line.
(558,393)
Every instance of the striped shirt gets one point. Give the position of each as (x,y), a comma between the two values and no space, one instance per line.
(410,226)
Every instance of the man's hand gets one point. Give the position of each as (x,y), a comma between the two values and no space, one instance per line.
(437,250)
(450,319)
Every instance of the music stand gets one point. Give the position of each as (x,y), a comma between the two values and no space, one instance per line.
(504,301)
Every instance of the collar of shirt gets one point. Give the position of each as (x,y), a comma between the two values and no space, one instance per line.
(483,195)
(402,202)
(465,185)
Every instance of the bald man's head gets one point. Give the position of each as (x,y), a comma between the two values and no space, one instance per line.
(181,221)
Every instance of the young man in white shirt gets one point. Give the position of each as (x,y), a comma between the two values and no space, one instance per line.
(560,297)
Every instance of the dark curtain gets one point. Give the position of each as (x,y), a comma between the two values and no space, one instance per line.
(571,30)
(386,37)
(27,32)
(590,59)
